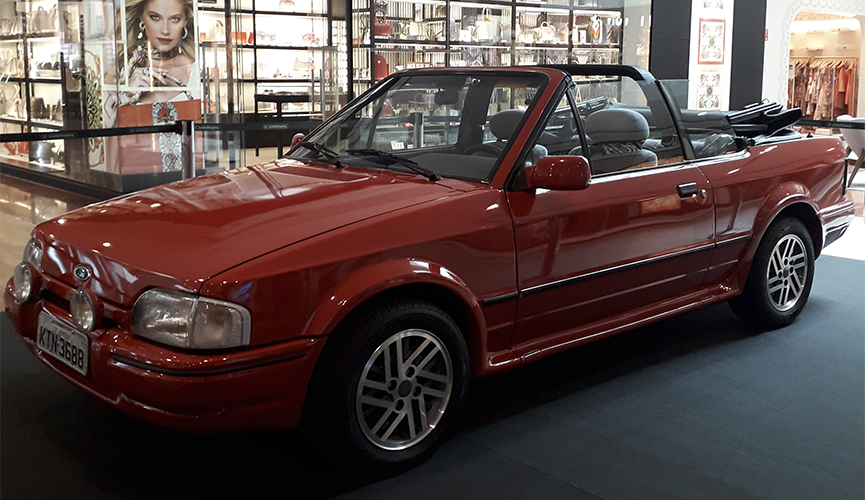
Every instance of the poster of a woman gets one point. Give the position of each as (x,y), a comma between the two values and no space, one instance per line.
(159,82)
(160,36)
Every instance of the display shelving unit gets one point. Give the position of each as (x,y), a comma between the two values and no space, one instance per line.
(274,47)
(390,35)
(31,81)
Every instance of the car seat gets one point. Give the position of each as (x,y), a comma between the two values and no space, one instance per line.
(502,125)
(617,137)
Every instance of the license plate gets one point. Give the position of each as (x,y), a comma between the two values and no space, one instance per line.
(63,342)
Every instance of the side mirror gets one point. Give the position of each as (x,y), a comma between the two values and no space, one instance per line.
(560,173)
(297,138)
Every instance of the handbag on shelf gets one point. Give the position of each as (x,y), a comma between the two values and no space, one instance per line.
(52,18)
(487,29)
(417,30)
(305,67)
(380,68)
(548,32)
(382,29)
(143,115)
(217,32)
(37,108)
(56,112)
(40,20)
(137,152)
(42,152)
(309,39)
(381,26)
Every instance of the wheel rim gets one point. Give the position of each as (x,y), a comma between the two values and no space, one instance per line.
(404,389)
(787,272)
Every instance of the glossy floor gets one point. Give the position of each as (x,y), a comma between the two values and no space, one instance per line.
(24,205)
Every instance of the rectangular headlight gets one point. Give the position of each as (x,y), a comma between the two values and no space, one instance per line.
(185,320)
(33,254)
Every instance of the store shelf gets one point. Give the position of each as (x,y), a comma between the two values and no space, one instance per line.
(52,124)
(477,33)
(12,119)
(45,80)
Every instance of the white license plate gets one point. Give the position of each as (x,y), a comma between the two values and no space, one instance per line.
(63,342)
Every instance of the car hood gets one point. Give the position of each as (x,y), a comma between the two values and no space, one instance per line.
(179,235)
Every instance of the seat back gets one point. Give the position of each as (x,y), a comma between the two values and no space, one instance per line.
(504,123)
(617,136)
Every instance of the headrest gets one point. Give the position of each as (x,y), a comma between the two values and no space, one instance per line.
(617,125)
(504,123)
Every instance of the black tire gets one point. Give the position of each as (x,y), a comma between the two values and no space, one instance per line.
(379,425)
(780,278)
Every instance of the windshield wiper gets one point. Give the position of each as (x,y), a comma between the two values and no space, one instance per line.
(410,164)
(328,153)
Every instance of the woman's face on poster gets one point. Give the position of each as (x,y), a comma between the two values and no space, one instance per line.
(164,21)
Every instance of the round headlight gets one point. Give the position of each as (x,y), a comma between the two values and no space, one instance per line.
(22,282)
(83,312)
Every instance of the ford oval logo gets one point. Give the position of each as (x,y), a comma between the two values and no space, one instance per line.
(82,273)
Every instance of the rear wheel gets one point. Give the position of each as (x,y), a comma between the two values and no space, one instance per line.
(389,390)
(781,275)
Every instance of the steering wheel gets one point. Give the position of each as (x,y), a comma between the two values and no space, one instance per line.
(486,149)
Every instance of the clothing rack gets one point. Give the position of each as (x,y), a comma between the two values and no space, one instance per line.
(824,87)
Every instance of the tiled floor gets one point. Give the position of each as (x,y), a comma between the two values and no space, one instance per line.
(24,204)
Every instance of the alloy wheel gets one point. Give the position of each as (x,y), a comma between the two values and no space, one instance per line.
(404,389)
(786,274)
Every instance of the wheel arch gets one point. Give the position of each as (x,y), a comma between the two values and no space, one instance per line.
(806,214)
(371,287)
(786,200)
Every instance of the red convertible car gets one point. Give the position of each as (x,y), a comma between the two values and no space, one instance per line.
(448,224)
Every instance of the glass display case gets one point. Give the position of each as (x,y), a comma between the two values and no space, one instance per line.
(276,49)
(34,61)
(391,35)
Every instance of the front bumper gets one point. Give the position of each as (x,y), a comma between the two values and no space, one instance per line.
(254,388)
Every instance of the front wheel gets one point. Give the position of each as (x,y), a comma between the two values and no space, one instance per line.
(389,389)
(781,276)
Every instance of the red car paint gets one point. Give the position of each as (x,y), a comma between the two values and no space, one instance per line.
(525,273)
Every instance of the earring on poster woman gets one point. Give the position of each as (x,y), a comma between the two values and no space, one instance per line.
(185,32)
(140,30)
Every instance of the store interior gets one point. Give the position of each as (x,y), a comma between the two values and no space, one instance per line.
(825,69)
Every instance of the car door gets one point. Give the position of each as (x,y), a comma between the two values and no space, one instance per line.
(636,237)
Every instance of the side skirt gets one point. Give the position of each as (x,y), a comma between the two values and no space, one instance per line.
(528,352)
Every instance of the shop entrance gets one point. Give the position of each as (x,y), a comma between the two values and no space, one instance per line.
(825,52)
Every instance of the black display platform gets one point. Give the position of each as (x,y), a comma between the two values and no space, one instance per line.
(694,407)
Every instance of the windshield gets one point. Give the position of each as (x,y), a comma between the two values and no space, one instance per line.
(454,125)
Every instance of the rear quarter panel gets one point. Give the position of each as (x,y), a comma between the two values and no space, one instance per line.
(750,190)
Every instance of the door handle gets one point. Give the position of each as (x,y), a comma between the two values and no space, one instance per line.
(688,190)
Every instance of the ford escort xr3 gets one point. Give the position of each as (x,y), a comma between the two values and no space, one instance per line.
(446,225)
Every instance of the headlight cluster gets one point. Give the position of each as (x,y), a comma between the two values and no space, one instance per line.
(186,320)
(83,311)
(33,254)
(22,282)
(25,280)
